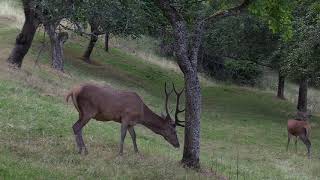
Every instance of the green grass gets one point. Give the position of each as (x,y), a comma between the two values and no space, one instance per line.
(237,123)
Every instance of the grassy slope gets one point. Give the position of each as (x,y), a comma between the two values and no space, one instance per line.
(37,141)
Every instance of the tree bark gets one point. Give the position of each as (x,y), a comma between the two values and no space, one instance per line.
(187,50)
(191,150)
(303,95)
(93,40)
(281,81)
(25,38)
(106,42)
(57,39)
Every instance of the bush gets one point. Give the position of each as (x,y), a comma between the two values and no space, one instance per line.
(243,72)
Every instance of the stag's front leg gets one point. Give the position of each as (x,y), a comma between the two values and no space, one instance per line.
(124,128)
(133,137)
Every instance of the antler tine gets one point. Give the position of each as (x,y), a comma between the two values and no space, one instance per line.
(178,93)
(167,98)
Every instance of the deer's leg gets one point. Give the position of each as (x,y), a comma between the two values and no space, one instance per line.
(82,143)
(124,128)
(306,141)
(77,129)
(295,143)
(133,137)
(289,137)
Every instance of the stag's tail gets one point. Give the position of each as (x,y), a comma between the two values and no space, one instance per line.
(73,96)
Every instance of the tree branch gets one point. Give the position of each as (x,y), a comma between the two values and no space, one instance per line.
(229,12)
(180,34)
(196,43)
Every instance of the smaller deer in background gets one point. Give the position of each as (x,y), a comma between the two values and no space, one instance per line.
(300,127)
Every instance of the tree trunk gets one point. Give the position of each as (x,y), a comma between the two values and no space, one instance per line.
(281,81)
(87,53)
(57,39)
(106,42)
(191,151)
(25,38)
(303,95)
(93,40)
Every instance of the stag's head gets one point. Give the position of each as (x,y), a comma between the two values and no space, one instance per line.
(170,133)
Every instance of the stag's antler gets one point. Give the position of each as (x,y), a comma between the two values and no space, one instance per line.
(167,98)
(178,93)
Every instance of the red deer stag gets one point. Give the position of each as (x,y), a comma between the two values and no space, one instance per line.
(104,103)
(299,128)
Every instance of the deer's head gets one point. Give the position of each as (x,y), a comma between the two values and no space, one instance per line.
(170,132)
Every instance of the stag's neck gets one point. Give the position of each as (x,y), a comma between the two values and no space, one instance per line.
(152,121)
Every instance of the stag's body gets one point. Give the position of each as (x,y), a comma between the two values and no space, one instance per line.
(104,103)
(299,129)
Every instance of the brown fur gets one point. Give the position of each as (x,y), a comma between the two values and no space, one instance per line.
(299,129)
(104,103)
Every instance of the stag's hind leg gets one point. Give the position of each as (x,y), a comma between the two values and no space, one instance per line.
(307,142)
(124,128)
(289,138)
(133,137)
(77,129)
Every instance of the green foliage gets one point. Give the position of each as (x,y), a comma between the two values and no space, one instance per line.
(242,72)
(302,53)
(116,17)
(243,37)
(277,13)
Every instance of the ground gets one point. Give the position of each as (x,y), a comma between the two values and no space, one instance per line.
(243,130)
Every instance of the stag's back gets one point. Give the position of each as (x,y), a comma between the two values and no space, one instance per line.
(108,103)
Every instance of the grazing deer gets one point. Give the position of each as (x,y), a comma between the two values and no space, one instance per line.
(299,128)
(104,103)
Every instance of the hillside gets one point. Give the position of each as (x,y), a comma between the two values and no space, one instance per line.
(37,140)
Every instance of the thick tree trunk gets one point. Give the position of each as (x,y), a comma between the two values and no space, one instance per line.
(93,40)
(25,38)
(303,95)
(87,53)
(106,42)
(57,39)
(191,151)
(281,81)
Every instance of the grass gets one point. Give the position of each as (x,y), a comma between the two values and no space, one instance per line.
(236,123)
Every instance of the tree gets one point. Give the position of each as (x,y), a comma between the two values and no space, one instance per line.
(188,28)
(48,13)
(25,37)
(242,42)
(120,18)
(51,14)
(303,61)
(187,48)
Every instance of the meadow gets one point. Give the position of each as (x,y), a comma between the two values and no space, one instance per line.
(243,130)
